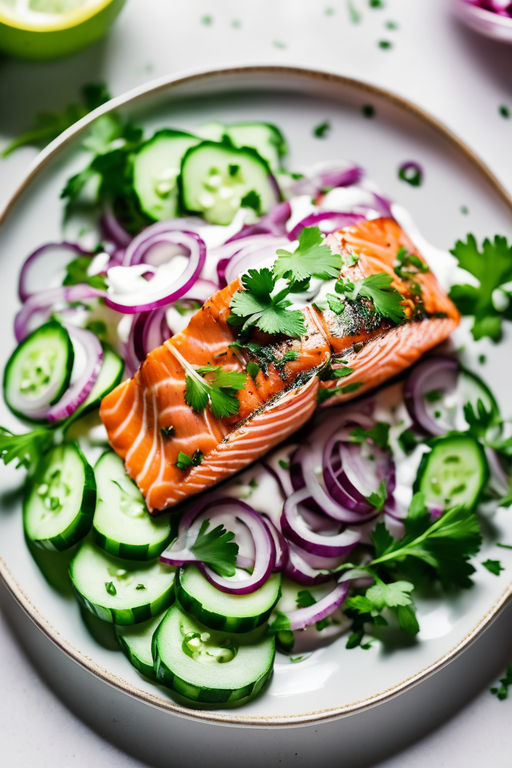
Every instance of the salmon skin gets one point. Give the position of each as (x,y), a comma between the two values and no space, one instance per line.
(149,423)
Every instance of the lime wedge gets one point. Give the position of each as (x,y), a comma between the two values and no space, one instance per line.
(47,29)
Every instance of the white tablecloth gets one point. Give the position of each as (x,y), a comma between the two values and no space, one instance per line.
(47,712)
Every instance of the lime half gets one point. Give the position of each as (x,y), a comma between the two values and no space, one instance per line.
(47,29)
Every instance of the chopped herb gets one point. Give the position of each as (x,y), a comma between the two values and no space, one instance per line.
(280,623)
(504,111)
(480,420)
(218,390)
(221,354)
(503,546)
(305,599)
(257,306)
(433,396)
(76,272)
(492,267)
(186,306)
(207,20)
(49,125)
(322,624)
(407,441)
(321,130)
(251,200)
(376,3)
(289,356)
(334,304)
(368,111)
(253,369)
(392,25)
(385,44)
(109,586)
(378,498)
(236,23)
(311,258)
(216,548)
(185,461)
(140,586)
(464,209)
(411,173)
(167,431)
(379,434)
(350,259)
(408,265)
(286,465)
(493,566)
(279,44)
(505,682)
(329,11)
(482,359)
(353,13)
(295,659)
(253,483)
(377,287)
(98,327)
(325,394)
(27,448)
(233,169)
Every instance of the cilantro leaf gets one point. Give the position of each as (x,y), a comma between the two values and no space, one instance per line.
(334,304)
(48,125)
(281,623)
(480,419)
(257,306)
(253,369)
(390,595)
(26,449)
(312,258)
(218,390)
(326,394)
(76,272)
(505,682)
(184,461)
(378,498)
(493,566)
(379,434)
(251,200)
(492,267)
(216,548)
(304,599)
(386,299)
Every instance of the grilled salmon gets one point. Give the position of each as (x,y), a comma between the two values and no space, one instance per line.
(149,423)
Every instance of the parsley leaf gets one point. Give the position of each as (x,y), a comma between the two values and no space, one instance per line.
(26,449)
(251,200)
(379,434)
(216,548)
(378,498)
(493,566)
(326,394)
(184,461)
(109,586)
(334,304)
(76,272)
(48,125)
(321,130)
(311,258)
(492,267)
(304,599)
(280,623)
(506,682)
(218,390)
(377,287)
(257,306)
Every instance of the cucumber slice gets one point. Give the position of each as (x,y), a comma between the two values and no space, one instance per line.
(109,377)
(203,665)
(216,180)
(265,138)
(448,411)
(120,591)
(454,473)
(156,167)
(222,611)
(59,505)
(135,642)
(122,524)
(38,372)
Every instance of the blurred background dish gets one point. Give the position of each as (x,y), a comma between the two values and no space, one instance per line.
(492,18)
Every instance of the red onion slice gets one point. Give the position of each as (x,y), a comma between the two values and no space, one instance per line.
(45,260)
(38,307)
(295,527)
(180,553)
(304,617)
(112,230)
(280,544)
(325,177)
(251,252)
(159,291)
(437,373)
(272,223)
(307,569)
(80,388)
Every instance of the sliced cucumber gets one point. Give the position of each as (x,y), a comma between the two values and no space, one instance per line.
(122,524)
(448,411)
(203,665)
(265,138)
(109,377)
(454,473)
(135,642)
(38,372)
(216,180)
(59,505)
(156,166)
(222,611)
(120,591)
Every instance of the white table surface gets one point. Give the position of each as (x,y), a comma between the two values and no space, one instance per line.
(52,713)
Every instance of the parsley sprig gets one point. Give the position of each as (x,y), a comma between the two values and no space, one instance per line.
(386,300)
(491,265)
(311,258)
(26,449)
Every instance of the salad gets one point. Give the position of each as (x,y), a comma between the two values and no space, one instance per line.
(331,514)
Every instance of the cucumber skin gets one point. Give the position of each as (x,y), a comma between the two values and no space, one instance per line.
(131,551)
(80,526)
(141,666)
(125,616)
(193,694)
(217,621)
(285,640)
(67,379)
(426,458)
(83,409)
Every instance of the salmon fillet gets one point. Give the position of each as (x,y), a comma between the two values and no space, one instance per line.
(283,395)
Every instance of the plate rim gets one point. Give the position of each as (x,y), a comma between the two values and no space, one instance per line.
(130,97)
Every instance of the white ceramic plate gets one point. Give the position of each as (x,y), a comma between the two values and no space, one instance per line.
(333,682)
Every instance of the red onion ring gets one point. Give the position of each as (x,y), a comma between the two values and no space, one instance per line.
(272,223)
(139,252)
(79,390)
(341,176)
(307,569)
(304,617)
(179,552)
(56,254)
(432,373)
(112,230)
(338,220)
(280,544)
(295,528)
(40,305)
